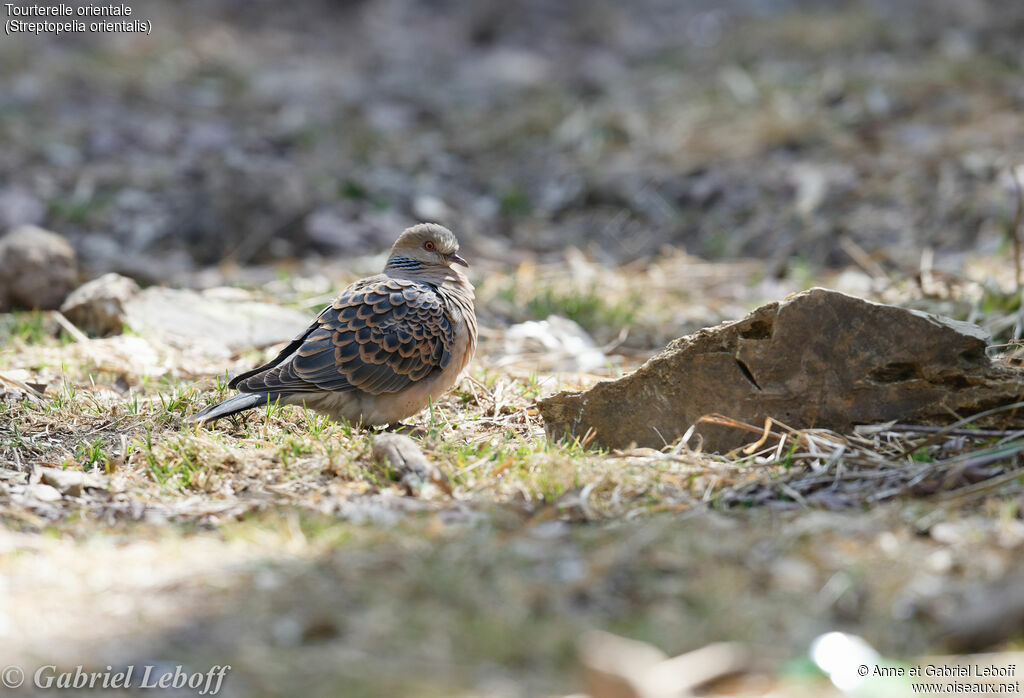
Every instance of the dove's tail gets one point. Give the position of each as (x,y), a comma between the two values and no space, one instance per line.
(233,405)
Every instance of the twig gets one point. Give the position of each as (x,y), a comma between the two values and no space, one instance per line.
(764,437)
(69,327)
(723,421)
(980,433)
(937,437)
(978,487)
(30,392)
(862,259)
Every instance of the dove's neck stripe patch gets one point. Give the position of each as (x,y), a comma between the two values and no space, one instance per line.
(405,263)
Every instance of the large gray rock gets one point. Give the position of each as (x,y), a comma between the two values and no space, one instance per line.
(215,321)
(217,318)
(818,359)
(37,269)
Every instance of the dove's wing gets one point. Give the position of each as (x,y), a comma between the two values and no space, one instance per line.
(379,336)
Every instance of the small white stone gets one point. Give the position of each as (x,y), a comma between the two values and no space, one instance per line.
(44,493)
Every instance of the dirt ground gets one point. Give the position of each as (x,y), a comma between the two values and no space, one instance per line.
(643,169)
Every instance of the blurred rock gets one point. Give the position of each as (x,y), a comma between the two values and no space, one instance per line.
(72,482)
(988,614)
(432,209)
(794,575)
(403,460)
(739,83)
(37,269)
(510,66)
(819,359)
(854,282)
(18,206)
(215,321)
(340,229)
(811,184)
(133,356)
(98,307)
(558,343)
(920,139)
(42,493)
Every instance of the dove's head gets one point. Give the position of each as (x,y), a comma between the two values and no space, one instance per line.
(429,245)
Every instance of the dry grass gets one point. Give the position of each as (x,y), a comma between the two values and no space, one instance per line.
(116,407)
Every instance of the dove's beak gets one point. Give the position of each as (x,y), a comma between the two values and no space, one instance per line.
(457,259)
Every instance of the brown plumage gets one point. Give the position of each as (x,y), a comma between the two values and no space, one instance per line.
(384,348)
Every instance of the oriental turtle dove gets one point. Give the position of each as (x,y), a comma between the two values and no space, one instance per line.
(383,349)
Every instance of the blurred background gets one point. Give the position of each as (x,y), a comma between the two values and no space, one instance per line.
(643,168)
(256,133)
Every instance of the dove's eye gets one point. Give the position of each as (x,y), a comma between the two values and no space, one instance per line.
(429,245)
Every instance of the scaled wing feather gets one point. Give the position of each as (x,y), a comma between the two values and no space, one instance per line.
(379,336)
